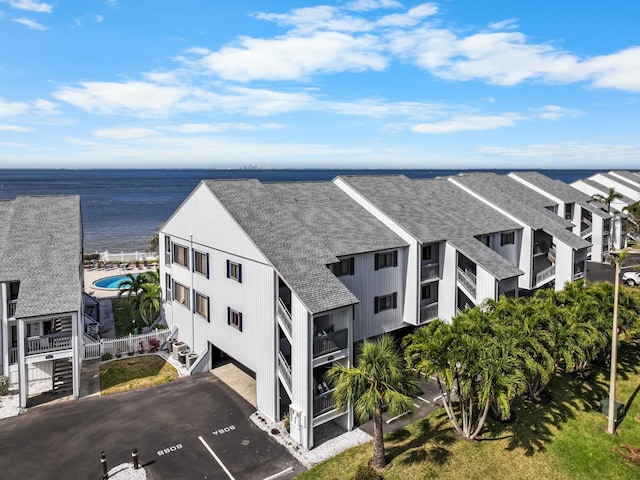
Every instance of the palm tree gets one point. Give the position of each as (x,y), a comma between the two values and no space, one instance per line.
(150,300)
(608,199)
(131,286)
(378,381)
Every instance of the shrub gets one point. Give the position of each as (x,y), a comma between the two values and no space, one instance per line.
(4,385)
(364,472)
(154,345)
(91,256)
(106,356)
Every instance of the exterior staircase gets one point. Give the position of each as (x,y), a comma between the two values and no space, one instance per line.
(63,376)
(62,324)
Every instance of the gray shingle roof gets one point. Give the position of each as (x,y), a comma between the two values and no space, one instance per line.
(494,263)
(429,209)
(557,188)
(604,190)
(41,248)
(302,227)
(521,202)
(633,177)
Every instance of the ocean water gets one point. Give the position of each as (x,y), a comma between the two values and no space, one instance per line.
(122,209)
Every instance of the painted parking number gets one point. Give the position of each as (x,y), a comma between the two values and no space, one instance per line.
(224,430)
(171,449)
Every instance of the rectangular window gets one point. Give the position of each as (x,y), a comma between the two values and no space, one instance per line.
(167,249)
(234,318)
(507,238)
(425,292)
(346,266)
(181,255)
(568,211)
(385,302)
(386,259)
(181,294)
(167,281)
(426,252)
(202,305)
(201,263)
(234,271)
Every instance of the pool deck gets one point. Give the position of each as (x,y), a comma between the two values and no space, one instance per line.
(93,274)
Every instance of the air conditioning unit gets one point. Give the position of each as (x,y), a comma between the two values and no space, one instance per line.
(179,347)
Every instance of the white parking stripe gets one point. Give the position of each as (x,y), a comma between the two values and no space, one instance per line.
(416,405)
(437,398)
(217,459)
(288,470)
(424,400)
(397,417)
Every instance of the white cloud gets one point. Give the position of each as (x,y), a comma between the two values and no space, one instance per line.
(124,133)
(295,58)
(138,98)
(467,123)
(619,70)
(14,128)
(30,5)
(13,108)
(197,128)
(14,145)
(98,18)
(579,153)
(32,24)
(409,19)
(365,5)
(509,24)
(38,107)
(554,112)
(318,18)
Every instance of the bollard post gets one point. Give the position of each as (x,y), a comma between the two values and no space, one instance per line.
(134,457)
(103,459)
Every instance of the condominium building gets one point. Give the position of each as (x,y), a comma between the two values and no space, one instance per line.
(41,294)
(288,278)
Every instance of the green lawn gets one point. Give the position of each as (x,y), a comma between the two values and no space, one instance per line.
(563,439)
(126,317)
(133,373)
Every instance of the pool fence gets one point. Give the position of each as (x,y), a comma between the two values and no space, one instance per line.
(124,345)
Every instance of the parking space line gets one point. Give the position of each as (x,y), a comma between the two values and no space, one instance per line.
(416,405)
(288,470)
(216,457)
(397,417)
(437,398)
(424,400)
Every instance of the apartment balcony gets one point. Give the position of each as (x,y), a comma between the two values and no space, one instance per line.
(285,371)
(323,403)
(578,270)
(429,271)
(544,274)
(285,317)
(48,343)
(586,232)
(13,355)
(540,248)
(468,280)
(330,342)
(428,312)
(11,308)
(551,254)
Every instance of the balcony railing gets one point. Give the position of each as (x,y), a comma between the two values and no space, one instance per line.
(578,270)
(11,308)
(428,312)
(13,355)
(468,280)
(586,232)
(284,369)
(323,403)
(48,343)
(544,274)
(429,271)
(285,316)
(330,342)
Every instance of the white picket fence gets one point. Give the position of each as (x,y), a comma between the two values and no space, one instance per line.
(123,345)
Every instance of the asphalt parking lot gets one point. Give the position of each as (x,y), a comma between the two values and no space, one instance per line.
(601,272)
(193,428)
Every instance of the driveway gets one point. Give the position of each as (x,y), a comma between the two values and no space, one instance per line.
(194,427)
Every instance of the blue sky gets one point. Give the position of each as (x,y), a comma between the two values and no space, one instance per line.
(352,83)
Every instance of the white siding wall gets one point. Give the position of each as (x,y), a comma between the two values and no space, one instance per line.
(221,238)
(448,284)
(564,264)
(412,277)
(301,360)
(510,252)
(368,283)
(486,285)
(39,375)
(526,259)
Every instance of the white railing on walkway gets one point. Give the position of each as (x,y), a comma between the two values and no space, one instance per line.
(428,312)
(429,271)
(284,369)
(124,345)
(122,256)
(48,343)
(285,316)
(546,273)
(468,280)
(13,355)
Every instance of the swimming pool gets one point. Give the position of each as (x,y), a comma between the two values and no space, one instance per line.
(111,283)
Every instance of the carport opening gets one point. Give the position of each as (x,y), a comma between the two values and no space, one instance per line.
(234,374)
